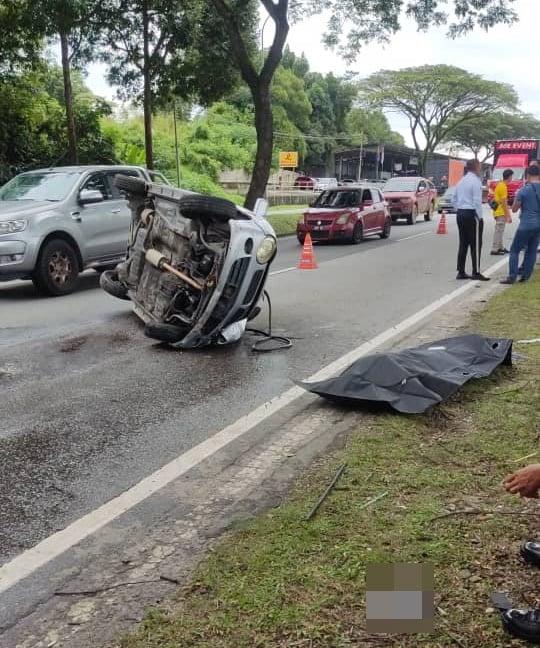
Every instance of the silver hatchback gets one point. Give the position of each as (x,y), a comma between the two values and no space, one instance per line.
(56,222)
(196,265)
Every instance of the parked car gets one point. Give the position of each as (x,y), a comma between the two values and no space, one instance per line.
(346,214)
(445,201)
(407,197)
(57,222)
(304,182)
(325,183)
(195,267)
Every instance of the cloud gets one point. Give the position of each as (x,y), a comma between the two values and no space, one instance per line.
(501,54)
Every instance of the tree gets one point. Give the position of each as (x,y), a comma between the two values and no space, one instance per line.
(159,49)
(74,24)
(479,135)
(436,99)
(366,125)
(370,20)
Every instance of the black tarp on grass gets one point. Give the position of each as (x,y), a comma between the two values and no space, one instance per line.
(415,379)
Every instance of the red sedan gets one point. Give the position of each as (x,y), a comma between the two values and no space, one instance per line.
(346,214)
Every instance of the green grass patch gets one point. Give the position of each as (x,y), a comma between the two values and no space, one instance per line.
(280,581)
(284,224)
(300,208)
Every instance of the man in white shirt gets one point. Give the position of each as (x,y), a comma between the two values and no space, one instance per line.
(468,203)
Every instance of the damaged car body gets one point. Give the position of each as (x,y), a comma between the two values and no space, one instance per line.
(195,267)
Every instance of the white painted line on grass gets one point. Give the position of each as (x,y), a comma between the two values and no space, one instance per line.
(29,561)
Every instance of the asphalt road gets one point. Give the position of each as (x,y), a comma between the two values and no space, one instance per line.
(90,406)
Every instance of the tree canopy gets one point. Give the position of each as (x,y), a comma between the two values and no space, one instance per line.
(436,100)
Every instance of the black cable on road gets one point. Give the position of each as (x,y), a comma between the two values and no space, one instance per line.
(269,341)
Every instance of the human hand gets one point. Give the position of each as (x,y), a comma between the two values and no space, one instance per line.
(525,481)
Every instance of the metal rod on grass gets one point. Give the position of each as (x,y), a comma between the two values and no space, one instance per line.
(326,492)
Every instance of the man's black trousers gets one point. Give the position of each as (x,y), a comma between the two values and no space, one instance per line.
(470,229)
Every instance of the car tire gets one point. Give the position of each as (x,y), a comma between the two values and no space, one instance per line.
(358,233)
(386,229)
(57,269)
(208,206)
(411,218)
(110,283)
(429,214)
(135,186)
(169,333)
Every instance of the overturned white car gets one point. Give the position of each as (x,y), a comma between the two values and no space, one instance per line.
(195,266)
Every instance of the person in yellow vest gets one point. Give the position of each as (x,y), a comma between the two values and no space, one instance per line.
(502,213)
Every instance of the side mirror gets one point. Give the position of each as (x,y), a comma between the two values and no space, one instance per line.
(367,203)
(88,196)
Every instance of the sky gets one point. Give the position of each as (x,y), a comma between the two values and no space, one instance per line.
(504,54)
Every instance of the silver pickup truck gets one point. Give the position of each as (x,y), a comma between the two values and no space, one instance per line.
(57,222)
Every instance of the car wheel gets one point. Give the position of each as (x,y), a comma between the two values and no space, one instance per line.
(111,284)
(428,215)
(358,233)
(411,218)
(135,186)
(57,269)
(386,229)
(164,332)
(207,206)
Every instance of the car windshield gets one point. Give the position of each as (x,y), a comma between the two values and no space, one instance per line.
(498,173)
(334,198)
(52,186)
(400,184)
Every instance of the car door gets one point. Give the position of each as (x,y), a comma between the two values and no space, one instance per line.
(422,194)
(120,222)
(104,225)
(369,211)
(380,212)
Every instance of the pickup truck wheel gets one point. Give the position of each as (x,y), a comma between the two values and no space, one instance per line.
(164,332)
(57,269)
(411,218)
(207,206)
(110,283)
(429,214)
(358,233)
(135,186)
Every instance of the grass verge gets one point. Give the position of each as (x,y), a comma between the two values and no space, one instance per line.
(284,224)
(282,582)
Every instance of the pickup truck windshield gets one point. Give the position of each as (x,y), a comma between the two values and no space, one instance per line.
(37,186)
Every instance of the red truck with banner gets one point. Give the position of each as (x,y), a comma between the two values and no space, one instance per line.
(515,155)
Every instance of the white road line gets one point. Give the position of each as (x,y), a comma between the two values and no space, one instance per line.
(276,272)
(29,561)
(408,238)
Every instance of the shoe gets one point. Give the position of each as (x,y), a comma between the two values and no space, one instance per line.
(508,280)
(523,624)
(497,253)
(530,552)
(522,279)
(462,275)
(504,251)
(478,276)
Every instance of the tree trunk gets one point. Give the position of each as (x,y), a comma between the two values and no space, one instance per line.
(264,125)
(72,157)
(147,91)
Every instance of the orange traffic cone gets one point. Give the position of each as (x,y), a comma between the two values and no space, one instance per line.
(307,258)
(442,225)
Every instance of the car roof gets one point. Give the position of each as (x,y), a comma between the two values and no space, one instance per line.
(356,185)
(408,178)
(80,168)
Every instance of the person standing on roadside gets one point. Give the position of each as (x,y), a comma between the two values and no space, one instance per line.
(502,213)
(527,236)
(468,204)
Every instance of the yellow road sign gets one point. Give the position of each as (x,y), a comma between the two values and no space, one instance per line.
(288,159)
